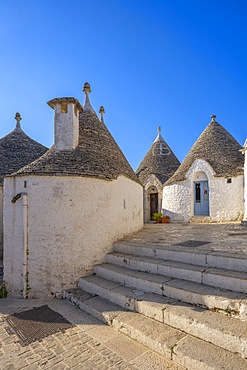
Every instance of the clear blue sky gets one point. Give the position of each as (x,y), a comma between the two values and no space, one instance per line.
(171,63)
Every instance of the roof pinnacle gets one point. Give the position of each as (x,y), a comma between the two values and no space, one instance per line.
(159,129)
(213,117)
(87,104)
(102,112)
(18,120)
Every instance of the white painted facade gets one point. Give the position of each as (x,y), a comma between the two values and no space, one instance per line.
(1,221)
(71,224)
(244,152)
(225,199)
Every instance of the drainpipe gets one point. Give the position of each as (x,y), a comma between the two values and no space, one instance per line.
(25,240)
(244,152)
(25,245)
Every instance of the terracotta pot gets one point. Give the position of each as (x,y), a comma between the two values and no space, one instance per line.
(165,220)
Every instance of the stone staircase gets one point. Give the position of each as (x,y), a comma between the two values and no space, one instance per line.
(188,304)
(200,219)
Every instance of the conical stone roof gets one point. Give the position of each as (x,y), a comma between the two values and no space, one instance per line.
(97,154)
(217,147)
(17,150)
(159,161)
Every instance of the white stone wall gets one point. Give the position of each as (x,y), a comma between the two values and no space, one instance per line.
(225,200)
(72,223)
(245,180)
(1,221)
(176,201)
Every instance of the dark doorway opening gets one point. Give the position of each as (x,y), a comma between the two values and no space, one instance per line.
(153,204)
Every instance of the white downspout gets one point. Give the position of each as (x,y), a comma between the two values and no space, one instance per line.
(244,152)
(24,241)
(25,244)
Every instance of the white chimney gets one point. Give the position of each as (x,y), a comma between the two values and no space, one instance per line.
(66,122)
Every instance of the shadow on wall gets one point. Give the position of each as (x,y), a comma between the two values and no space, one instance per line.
(173,216)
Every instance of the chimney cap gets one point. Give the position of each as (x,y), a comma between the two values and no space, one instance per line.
(74,101)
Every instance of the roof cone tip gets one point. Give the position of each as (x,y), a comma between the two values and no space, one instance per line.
(87,105)
(18,120)
(102,112)
(159,137)
(86,88)
(213,117)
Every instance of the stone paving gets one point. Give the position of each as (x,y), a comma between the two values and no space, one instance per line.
(223,237)
(89,345)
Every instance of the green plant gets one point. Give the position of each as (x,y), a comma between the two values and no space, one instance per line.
(3,291)
(157,216)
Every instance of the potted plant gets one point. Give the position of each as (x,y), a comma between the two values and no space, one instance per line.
(165,219)
(157,216)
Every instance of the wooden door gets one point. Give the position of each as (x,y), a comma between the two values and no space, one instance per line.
(153,204)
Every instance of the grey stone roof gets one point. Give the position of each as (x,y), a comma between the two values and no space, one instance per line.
(217,147)
(159,161)
(97,154)
(17,150)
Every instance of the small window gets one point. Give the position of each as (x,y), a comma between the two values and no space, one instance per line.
(229,181)
(198,193)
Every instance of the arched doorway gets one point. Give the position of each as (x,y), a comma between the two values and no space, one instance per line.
(200,194)
(153,200)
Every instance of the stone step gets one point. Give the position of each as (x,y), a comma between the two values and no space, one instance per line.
(227,302)
(226,260)
(226,332)
(226,279)
(200,220)
(183,349)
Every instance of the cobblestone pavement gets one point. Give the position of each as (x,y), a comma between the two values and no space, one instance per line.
(89,345)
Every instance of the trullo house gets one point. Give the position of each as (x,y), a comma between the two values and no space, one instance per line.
(16,150)
(209,183)
(63,211)
(156,168)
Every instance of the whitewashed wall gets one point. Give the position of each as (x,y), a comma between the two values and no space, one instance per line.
(1,221)
(226,201)
(72,223)
(245,180)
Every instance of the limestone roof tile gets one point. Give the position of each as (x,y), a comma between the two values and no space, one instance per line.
(217,147)
(97,154)
(159,161)
(17,150)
